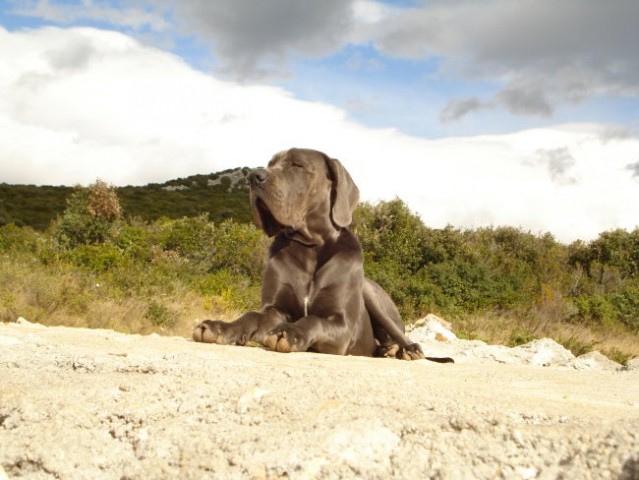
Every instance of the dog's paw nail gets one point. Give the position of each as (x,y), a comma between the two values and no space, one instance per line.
(270,341)
(282,345)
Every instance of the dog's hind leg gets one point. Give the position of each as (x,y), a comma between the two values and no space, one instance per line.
(387,323)
(388,327)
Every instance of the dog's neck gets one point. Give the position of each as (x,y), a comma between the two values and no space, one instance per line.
(299,237)
(304,236)
(316,228)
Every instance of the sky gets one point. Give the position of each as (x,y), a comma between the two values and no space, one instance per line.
(522,113)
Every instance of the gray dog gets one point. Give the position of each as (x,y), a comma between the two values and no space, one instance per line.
(315,296)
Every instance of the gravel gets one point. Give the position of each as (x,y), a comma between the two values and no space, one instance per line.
(79,403)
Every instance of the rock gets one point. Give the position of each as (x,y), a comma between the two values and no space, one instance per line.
(23,321)
(362,445)
(543,352)
(432,327)
(594,361)
(633,364)
(250,399)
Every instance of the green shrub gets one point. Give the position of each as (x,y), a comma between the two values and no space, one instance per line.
(520,337)
(413,297)
(240,248)
(595,309)
(390,232)
(15,239)
(190,237)
(617,248)
(237,291)
(136,242)
(454,272)
(160,315)
(577,345)
(618,356)
(626,305)
(99,258)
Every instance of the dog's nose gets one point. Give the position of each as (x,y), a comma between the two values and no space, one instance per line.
(257,177)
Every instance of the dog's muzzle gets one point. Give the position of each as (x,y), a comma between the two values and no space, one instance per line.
(257,177)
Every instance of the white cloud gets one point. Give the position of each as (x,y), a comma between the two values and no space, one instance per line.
(81,104)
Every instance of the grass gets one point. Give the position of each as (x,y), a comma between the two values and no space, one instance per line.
(66,296)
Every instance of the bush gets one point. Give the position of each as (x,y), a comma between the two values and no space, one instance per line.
(136,242)
(189,237)
(92,216)
(576,345)
(160,315)
(595,309)
(236,291)
(448,270)
(99,258)
(390,233)
(15,239)
(626,305)
(240,248)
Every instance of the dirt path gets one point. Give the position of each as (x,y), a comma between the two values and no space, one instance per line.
(78,403)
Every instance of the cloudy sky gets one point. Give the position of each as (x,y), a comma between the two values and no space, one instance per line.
(500,112)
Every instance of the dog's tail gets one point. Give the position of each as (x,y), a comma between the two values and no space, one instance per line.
(441,359)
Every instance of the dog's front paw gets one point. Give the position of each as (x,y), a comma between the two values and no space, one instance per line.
(215,331)
(387,351)
(410,352)
(286,338)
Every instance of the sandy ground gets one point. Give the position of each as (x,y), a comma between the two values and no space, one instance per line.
(78,403)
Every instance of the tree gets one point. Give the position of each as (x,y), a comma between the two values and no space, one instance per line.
(390,232)
(617,248)
(92,216)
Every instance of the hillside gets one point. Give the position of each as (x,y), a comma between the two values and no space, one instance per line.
(222,195)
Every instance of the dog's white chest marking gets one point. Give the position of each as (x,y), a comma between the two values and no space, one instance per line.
(306,299)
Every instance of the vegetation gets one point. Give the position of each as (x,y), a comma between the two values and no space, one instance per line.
(92,267)
(28,205)
(214,195)
(506,285)
(98,265)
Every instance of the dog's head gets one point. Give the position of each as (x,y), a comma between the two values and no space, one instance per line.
(302,191)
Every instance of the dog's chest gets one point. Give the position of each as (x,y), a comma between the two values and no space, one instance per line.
(304,281)
(305,290)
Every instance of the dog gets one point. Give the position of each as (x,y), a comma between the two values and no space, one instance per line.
(315,296)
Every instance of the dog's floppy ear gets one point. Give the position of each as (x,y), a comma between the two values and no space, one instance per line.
(344,195)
